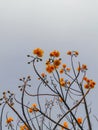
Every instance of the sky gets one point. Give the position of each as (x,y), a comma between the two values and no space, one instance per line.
(48,24)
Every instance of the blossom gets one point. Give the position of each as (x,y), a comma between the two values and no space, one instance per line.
(30,110)
(65,124)
(23,127)
(79,120)
(76,53)
(84,67)
(43,75)
(92,84)
(50,68)
(33,108)
(61,71)
(9,120)
(69,53)
(79,68)
(86,86)
(62,82)
(64,65)
(39,52)
(57,62)
(55,53)
(89,83)
(68,69)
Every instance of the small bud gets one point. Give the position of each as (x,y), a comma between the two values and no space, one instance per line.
(28,55)
(8,91)
(28,62)
(4,93)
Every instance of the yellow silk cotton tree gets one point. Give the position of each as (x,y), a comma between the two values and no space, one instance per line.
(60,101)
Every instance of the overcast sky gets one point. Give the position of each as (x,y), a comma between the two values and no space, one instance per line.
(48,24)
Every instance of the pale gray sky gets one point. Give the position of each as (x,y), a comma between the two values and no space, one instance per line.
(48,24)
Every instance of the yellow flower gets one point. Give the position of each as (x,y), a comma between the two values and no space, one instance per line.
(79,120)
(39,52)
(9,120)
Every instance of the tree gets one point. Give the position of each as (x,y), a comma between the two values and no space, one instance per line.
(61,94)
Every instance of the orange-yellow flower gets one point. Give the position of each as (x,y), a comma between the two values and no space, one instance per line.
(89,83)
(76,53)
(57,62)
(62,82)
(92,84)
(79,120)
(68,69)
(65,124)
(84,67)
(61,71)
(23,127)
(39,52)
(64,65)
(79,68)
(49,68)
(69,53)
(55,53)
(34,107)
(85,78)
(9,120)
(30,110)
(43,75)
(86,86)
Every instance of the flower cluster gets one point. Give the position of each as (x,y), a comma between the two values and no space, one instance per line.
(89,83)
(76,53)
(39,52)
(55,53)
(62,93)
(33,108)
(9,120)
(23,127)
